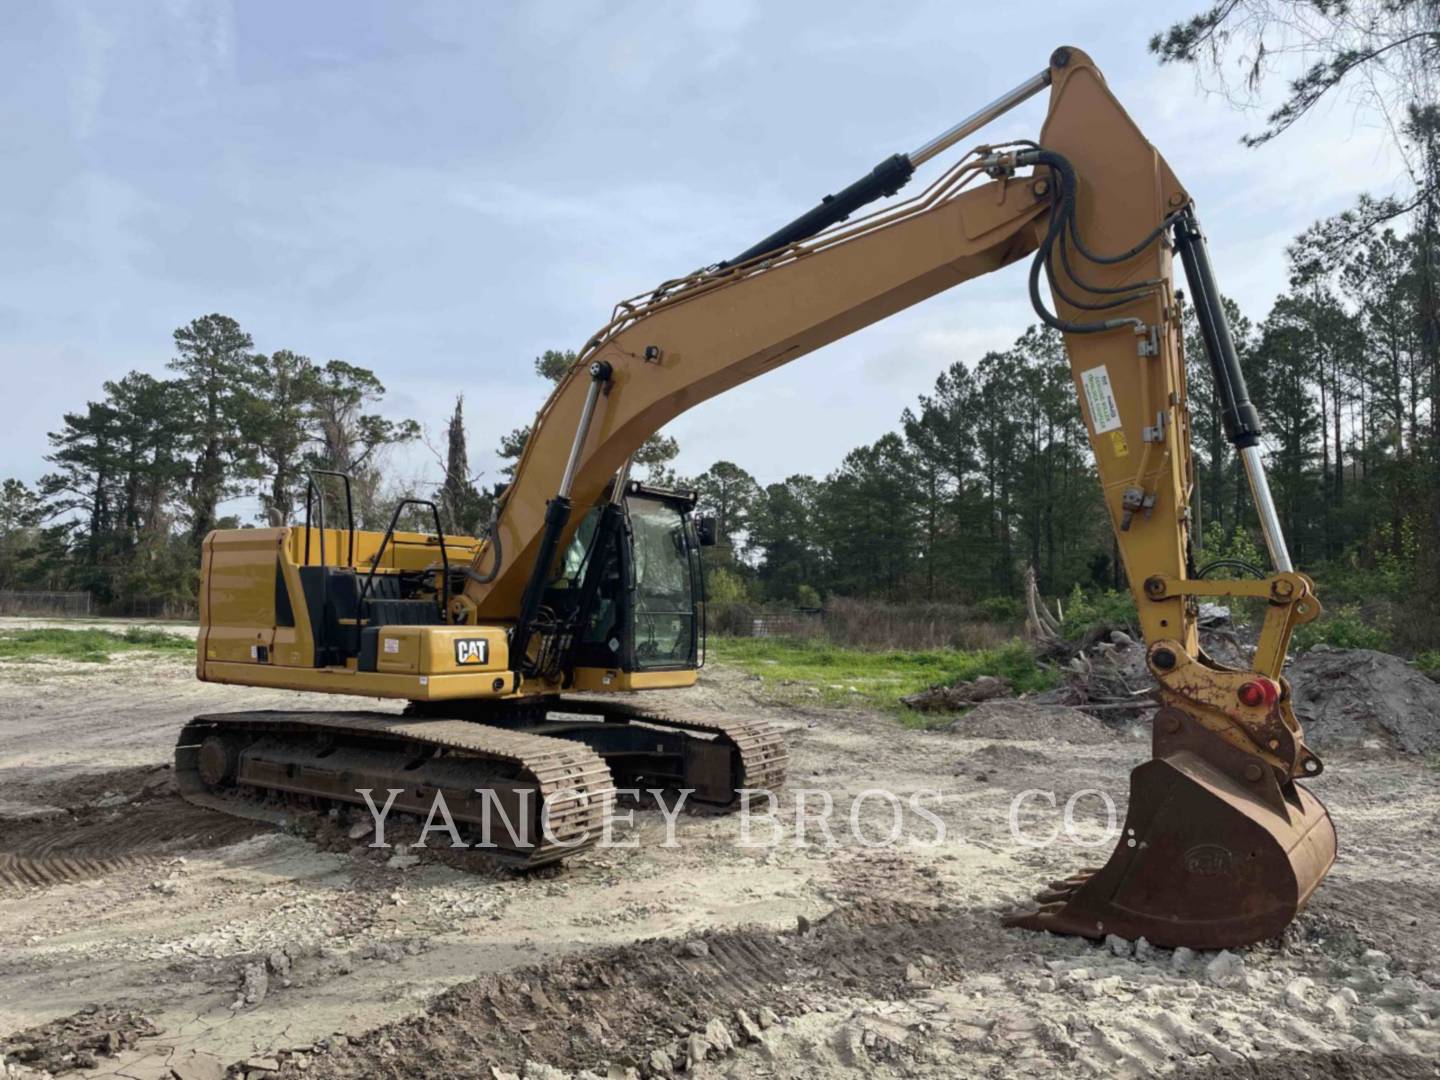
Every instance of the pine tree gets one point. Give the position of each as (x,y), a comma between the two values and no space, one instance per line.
(213,360)
(465,510)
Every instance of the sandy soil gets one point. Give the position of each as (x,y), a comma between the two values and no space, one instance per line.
(158,939)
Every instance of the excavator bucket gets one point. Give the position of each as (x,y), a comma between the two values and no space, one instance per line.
(1216,852)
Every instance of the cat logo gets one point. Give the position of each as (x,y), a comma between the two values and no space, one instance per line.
(1209,860)
(472,650)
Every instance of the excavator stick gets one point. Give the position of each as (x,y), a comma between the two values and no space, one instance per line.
(1222,846)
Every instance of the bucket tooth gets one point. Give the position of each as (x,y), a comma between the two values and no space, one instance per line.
(1205,860)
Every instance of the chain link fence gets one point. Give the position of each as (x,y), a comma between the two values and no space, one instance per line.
(790,624)
(68,605)
(141,607)
(51,604)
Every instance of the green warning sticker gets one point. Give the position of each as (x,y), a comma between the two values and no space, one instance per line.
(1104,413)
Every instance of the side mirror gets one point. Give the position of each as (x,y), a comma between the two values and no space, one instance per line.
(706,530)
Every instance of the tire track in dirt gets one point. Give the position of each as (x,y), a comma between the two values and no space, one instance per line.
(1337,1065)
(140,827)
(19,872)
(623,1005)
(1379,913)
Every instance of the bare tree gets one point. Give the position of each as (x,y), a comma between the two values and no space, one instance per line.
(1382,55)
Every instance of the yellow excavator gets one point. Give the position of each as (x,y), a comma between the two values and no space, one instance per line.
(524,655)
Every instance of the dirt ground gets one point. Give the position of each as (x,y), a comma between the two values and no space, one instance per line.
(143,937)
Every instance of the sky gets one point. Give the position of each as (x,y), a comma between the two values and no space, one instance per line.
(442,191)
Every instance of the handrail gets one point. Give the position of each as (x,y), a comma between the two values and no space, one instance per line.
(703,630)
(315,492)
(389,536)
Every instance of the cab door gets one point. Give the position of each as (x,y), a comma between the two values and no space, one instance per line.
(663,580)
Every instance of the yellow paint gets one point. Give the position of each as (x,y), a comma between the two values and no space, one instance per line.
(240,582)
(438,648)
(398,650)
(600,679)
(406,551)
(364,683)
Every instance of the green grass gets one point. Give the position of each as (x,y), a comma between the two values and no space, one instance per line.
(800,671)
(87,646)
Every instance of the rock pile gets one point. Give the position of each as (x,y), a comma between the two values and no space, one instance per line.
(1355,696)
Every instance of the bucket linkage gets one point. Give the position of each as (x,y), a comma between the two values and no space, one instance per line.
(1221,845)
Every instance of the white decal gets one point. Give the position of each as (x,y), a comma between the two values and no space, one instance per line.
(392,644)
(472,650)
(1104,413)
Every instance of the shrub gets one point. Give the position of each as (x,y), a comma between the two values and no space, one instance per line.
(1089,613)
(1001,609)
(725,587)
(736,618)
(1396,573)
(1238,545)
(1344,627)
(877,624)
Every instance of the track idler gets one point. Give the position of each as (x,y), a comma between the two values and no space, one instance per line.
(1218,850)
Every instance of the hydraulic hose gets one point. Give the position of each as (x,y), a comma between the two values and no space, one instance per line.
(1063,228)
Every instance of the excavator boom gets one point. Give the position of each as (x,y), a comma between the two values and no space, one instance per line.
(1222,845)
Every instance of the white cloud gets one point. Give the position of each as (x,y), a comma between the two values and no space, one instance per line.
(456,188)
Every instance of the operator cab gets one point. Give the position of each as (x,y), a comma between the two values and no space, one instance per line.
(633,583)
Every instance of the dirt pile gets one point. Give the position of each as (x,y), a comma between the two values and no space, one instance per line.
(1354,696)
(1029,720)
(76,1042)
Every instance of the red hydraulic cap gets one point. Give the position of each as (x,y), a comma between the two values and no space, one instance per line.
(1257,692)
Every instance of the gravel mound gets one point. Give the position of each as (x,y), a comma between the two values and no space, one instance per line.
(1010,755)
(1352,696)
(1028,720)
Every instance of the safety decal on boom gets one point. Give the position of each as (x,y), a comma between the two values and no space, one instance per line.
(1104,413)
